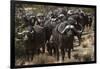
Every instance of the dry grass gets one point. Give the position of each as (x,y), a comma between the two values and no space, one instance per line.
(86,41)
(85,55)
(37,59)
(40,59)
(85,52)
(43,59)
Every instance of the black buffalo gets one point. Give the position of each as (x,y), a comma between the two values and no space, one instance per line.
(79,24)
(63,36)
(33,40)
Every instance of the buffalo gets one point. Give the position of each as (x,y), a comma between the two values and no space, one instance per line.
(63,37)
(34,39)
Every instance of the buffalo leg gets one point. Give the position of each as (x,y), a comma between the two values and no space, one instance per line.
(54,49)
(63,53)
(69,53)
(49,49)
(27,55)
(43,49)
(79,39)
(57,54)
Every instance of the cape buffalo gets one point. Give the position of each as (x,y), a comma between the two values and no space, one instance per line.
(63,36)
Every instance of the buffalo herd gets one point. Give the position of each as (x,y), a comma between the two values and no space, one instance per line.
(53,32)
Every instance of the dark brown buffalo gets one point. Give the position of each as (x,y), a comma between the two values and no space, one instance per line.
(63,36)
(34,39)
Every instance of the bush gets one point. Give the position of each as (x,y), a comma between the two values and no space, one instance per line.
(87,56)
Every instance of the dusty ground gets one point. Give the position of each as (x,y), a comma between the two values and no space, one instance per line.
(82,53)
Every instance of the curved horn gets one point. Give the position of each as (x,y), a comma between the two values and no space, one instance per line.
(78,31)
(65,29)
